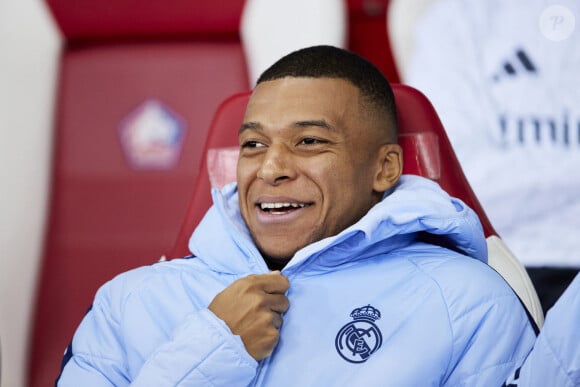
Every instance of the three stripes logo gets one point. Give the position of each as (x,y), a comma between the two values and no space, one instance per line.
(520,64)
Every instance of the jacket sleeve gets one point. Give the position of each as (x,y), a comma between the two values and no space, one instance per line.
(202,352)
(497,337)
(490,331)
(555,359)
(199,351)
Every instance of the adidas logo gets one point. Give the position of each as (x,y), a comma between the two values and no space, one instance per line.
(520,64)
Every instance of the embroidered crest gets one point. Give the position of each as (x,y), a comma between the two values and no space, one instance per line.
(359,339)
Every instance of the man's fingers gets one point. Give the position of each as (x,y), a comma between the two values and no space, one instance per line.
(274,282)
(275,285)
(277,302)
(252,307)
(276,320)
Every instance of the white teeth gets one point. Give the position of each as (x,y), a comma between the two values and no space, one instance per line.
(270,206)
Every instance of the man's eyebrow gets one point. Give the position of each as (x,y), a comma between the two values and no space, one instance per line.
(319,123)
(249,125)
(298,124)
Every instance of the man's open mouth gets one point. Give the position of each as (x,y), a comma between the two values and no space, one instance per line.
(281,208)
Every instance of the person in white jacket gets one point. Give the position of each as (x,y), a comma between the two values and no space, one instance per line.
(321,266)
(503,77)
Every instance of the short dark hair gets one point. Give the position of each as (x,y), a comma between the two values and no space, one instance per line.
(333,62)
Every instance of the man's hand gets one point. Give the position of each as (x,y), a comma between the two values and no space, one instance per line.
(252,308)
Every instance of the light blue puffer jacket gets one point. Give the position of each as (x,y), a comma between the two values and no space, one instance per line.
(555,359)
(375,305)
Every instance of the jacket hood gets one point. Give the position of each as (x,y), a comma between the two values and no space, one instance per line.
(415,208)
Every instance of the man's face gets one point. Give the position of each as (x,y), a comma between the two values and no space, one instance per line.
(308,162)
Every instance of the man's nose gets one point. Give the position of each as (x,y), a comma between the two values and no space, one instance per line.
(277,165)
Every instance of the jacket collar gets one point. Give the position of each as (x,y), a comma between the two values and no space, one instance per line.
(413,207)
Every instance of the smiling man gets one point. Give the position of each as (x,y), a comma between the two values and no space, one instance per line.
(313,161)
(322,265)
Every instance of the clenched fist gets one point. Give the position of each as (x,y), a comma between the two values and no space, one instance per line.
(252,308)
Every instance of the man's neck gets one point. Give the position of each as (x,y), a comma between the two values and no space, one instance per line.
(274,263)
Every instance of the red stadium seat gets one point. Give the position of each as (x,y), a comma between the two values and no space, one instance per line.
(426,152)
(137,87)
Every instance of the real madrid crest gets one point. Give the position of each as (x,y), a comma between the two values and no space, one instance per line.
(359,339)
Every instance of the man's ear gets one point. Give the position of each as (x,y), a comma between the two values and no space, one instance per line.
(389,167)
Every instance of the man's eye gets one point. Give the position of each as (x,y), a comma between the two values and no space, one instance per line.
(252,144)
(311,141)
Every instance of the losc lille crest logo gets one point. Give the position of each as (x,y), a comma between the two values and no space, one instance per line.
(152,136)
(359,339)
